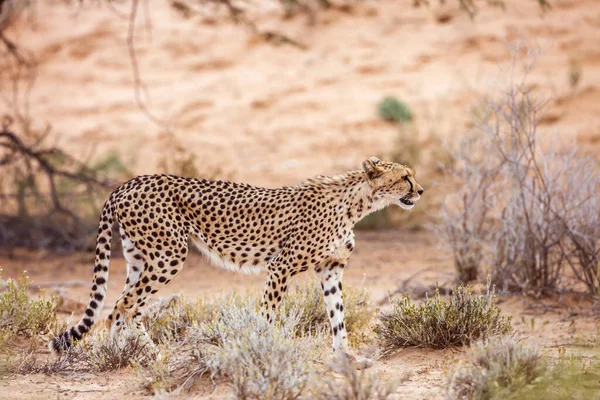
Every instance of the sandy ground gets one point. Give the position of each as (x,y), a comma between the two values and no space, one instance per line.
(274,115)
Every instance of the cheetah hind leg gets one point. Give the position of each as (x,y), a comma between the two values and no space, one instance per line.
(155,274)
(126,327)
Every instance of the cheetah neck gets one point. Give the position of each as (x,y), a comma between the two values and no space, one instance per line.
(352,194)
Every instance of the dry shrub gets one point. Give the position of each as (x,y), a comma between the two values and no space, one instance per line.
(21,316)
(307,302)
(524,210)
(169,319)
(438,324)
(33,361)
(102,352)
(495,369)
(51,198)
(353,386)
(257,359)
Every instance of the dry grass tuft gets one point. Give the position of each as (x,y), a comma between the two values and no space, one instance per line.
(354,385)
(100,352)
(495,370)
(437,323)
(169,319)
(21,316)
(256,358)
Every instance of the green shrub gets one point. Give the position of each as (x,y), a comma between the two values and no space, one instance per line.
(495,370)
(571,377)
(21,316)
(391,109)
(307,301)
(438,324)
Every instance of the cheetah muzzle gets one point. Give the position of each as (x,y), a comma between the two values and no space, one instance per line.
(239,227)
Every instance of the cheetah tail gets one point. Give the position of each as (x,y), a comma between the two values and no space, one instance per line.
(100,281)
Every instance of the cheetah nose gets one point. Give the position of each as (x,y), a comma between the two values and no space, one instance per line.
(420,191)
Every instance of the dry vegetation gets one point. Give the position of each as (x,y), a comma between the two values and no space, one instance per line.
(508,369)
(229,341)
(524,211)
(21,316)
(226,340)
(437,323)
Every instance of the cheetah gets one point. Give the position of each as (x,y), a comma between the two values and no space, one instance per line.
(241,228)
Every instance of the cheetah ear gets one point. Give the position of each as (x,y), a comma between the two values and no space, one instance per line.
(371,167)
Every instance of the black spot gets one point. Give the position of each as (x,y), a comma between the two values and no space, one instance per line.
(93,304)
(89,312)
(88,322)
(100,281)
(98,296)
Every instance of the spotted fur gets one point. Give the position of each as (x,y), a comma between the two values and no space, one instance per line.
(242,228)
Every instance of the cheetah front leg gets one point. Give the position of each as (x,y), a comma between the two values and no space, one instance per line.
(331,282)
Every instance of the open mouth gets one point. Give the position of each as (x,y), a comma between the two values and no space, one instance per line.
(406,202)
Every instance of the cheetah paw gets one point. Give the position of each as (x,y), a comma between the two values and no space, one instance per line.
(345,360)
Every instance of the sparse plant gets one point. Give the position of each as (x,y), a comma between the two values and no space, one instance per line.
(21,316)
(50,195)
(524,210)
(437,323)
(259,360)
(394,110)
(353,385)
(575,72)
(102,352)
(495,369)
(230,340)
(570,377)
(32,361)
(169,319)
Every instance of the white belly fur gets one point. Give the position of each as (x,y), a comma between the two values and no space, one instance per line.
(217,260)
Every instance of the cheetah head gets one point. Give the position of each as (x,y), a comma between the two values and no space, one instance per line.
(392,183)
